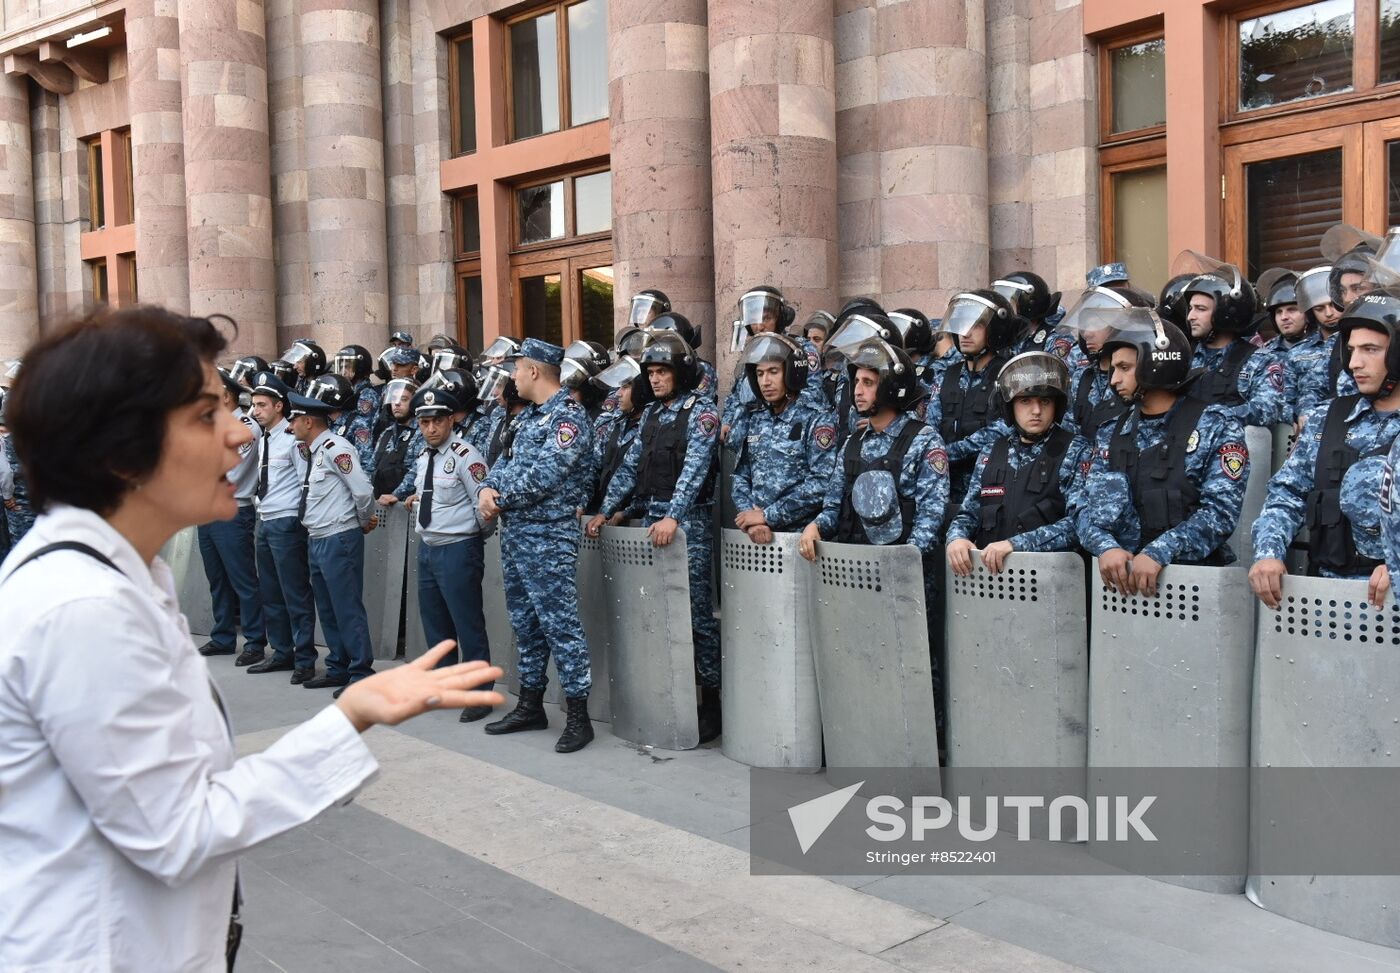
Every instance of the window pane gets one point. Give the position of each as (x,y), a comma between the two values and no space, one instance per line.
(1139,86)
(470,296)
(1139,221)
(595,313)
(541,210)
(1294,54)
(542,307)
(1289,204)
(534,76)
(1390,41)
(99,281)
(593,203)
(1392,183)
(97,198)
(465,94)
(588,61)
(468,224)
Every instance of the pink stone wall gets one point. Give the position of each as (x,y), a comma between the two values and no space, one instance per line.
(19,291)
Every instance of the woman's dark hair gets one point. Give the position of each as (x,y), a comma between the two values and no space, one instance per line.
(88,409)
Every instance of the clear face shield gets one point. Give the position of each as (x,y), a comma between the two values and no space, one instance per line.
(1096,310)
(398,393)
(1343,238)
(345,363)
(1032,370)
(1142,327)
(500,348)
(852,333)
(445,358)
(1385,265)
(1017,293)
(494,378)
(965,312)
(1314,288)
(760,309)
(619,374)
(1269,281)
(644,309)
(630,342)
(572,373)
(1199,265)
(297,354)
(240,371)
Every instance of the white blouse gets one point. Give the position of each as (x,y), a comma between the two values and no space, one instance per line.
(122,806)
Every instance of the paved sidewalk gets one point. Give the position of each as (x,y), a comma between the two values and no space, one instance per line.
(482,853)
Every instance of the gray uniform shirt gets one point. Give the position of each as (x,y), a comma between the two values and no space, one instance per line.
(7,475)
(458,469)
(285,468)
(244,476)
(338,494)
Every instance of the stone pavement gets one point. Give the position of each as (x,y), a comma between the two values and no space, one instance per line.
(471,852)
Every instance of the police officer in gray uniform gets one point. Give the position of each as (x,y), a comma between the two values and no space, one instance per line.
(284,579)
(337,509)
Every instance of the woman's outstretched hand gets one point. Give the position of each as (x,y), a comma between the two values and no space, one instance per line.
(398,694)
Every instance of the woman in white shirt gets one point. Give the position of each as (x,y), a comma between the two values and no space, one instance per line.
(122,807)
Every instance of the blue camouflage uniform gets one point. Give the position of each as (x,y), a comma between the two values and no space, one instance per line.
(1099,391)
(1313,370)
(1064,345)
(741,393)
(358,426)
(1216,463)
(691,505)
(1390,512)
(625,426)
(475,430)
(961,451)
(21,519)
(409,485)
(1284,352)
(784,463)
(1057,536)
(540,493)
(1370,434)
(1263,385)
(709,379)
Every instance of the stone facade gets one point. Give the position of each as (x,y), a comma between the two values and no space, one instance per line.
(290,156)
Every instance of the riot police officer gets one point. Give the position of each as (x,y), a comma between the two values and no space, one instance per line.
(391,459)
(918,341)
(1334,476)
(646,306)
(226,548)
(308,361)
(243,370)
(681,325)
(1032,302)
(499,384)
(1024,485)
(355,427)
(1250,382)
(614,431)
(452,557)
(284,578)
(1316,368)
(788,451)
(1167,480)
(669,472)
(861,320)
(583,360)
(536,490)
(354,364)
(337,509)
(762,310)
(1092,398)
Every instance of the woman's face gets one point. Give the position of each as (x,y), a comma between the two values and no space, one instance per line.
(202,444)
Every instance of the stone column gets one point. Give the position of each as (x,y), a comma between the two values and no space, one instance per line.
(933,151)
(223,59)
(19,281)
(157,152)
(659,108)
(288,153)
(1009,136)
(773,152)
(858,147)
(48,206)
(343,105)
(436,284)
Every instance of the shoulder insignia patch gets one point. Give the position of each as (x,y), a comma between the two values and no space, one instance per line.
(478,471)
(366,406)
(938,459)
(1085,466)
(565,434)
(993,491)
(824,436)
(1193,440)
(1061,346)
(709,422)
(362,435)
(304,450)
(813,362)
(344,463)
(1233,457)
(1275,373)
(460,449)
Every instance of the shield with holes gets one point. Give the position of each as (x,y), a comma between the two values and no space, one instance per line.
(593,611)
(871,652)
(652,673)
(769,684)
(1326,694)
(1260,443)
(1018,656)
(181,555)
(414,641)
(386,549)
(1169,686)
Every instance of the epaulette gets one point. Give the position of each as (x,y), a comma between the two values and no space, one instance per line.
(460,449)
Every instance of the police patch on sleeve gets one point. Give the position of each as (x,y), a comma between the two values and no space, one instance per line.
(1061,346)
(824,436)
(362,435)
(1387,484)
(813,363)
(1233,456)
(344,463)
(478,471)
(305,451)
(938,459)
(565,434)
(709,422)
(1193,441)
(366,407)
(1275,373)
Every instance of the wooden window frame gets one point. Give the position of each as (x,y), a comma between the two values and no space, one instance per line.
(568,261)
(570,237)
(97,182)
(112,245)
(1130,158)
(454,88)
(461,271)
(459,228)
(1106,134)
(561,49)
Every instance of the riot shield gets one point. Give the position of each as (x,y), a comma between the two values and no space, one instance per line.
(1169,686)
(1283,445)
(1018,664)
(414,641)
(870,646)
(1260,443)
(1297,556)
(493,603)
(652,675)
(769,682)
(1325,686)
(385,549)
(593,612)
(181,554)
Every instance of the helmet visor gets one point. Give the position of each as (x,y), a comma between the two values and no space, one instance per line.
(1198,264)
(494,378)
(760,307)
(622,372)
(874,354)
(242,371)
(326,391)
(344,360)
(644,308)
(1268,286)
(1140,327)
(1385,265)
(399,391)
(965,312)
(572,373)
(1314,288)
(1343,238)
(445,358)
(1017,293)
(853,332)
(1097,309)
(768,348)
(902,323)
(1034,372)
(501,347)
(296,353)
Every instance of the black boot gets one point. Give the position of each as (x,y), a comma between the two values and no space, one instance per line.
(528,714)
(710,724)
(578,729)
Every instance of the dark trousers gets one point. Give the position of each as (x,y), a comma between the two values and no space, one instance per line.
(449,598)
(338,579)
(226,547)
(284,579)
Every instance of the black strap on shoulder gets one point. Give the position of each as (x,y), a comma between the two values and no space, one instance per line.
(68,546)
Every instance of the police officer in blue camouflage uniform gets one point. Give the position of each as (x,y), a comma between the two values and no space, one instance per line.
(1032,301)
(308,362)
(1251,383)
(669,472)
(226,548)
(1334,477)
(1167,480)
(536,489)
(861,320)
(452,556)
(391,463)
(1092,400)
(354,427)
(919,343)
(1024,485)
(763,310)
(669,321)
(1379,587)
(498,385)
(1278,292)
(284,576)
(1312,358)
(337,509)
(788,451)
(614,431)
(354,364)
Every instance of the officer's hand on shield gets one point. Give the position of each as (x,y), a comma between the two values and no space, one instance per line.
(486,502)
(1266,578)
(807,543)
(388,500)
(594,525)
(1379,586)
(994,555)
(760,534)
(724,433)
(663,531)
(750,518)
(373,523)
(1113,569)
(960,556)
(410,500)
(1144,574)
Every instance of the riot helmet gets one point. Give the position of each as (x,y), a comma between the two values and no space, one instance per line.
(1277,287)
(1351,251)
(1099,309)
(1028,294)
(497,380)
(668,348)
(646,306)
(243,370)
(582,361)
(680,324)
(1378,311)
(855,329)
(501,349)
(1313,290)
(823,321)
(1163,350)
(629,342)
(622,372)
(333,390)
(399,391)
(916,334)
(968,309)
(1235,300)
(309,355)
(1033,373)
(761,304)
(460,383)
(766,347)
(283,370)
(1170,304)
(898,386)
(354,359)
(439,341)
(452,356)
